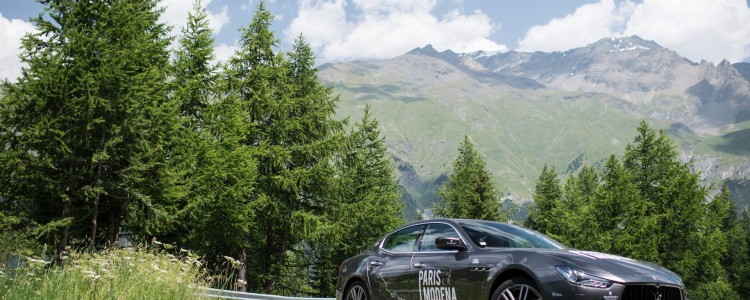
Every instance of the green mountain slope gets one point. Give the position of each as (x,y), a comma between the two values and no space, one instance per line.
(426,101)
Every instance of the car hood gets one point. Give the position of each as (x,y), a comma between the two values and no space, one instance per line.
(617,268)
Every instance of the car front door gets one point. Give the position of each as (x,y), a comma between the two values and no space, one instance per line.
(390,268)
(439,274)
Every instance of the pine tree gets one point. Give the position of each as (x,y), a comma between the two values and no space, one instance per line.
(470,191)
(367,201)
(579,228)
(680,224)
(293,130)
(544,213)
(87,127)
(620,214)
(221,168)
(255,81)
(740,269)
(194,75)
(713,278)
(737,261)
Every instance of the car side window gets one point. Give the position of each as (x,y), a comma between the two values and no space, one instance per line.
(403,240)
(434,231)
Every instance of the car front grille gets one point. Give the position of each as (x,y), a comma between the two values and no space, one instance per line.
(651,292)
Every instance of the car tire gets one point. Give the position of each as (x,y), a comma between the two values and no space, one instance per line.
(517,288)
(357,291)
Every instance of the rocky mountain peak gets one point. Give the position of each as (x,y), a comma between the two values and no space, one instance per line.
(429,50)
(622,44)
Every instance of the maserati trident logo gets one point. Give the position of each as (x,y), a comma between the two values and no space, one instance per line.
(657,295)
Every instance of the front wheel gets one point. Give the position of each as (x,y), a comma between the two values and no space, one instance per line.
(518,288)
(357,291)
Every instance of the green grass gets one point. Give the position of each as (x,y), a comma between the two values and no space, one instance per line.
(517,134)
(112,274)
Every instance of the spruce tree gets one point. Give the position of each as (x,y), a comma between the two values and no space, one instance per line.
(579,228)
(544,212)
(367,201)
(255,81)
(194,75)
(221,168)
(470,191)
(290,117)
(87,128)
(675,203)
(714,280)
(620,214)
(738,258)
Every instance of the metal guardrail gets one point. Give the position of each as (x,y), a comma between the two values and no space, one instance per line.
(225,294)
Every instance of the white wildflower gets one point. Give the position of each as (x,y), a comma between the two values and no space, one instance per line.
(37,261)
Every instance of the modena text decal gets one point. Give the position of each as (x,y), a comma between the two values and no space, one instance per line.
(435,285)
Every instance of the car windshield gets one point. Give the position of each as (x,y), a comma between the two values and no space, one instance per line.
(493,234)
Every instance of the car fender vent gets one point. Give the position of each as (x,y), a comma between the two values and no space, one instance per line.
(651,292)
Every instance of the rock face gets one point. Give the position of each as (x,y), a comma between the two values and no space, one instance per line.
(702,95)
(525,110)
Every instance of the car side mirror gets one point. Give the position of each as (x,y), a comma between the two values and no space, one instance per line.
(449,243)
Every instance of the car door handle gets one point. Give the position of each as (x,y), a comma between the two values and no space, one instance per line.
(419,265)
(375,263)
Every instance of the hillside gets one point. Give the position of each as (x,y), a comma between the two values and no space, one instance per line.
(524,110)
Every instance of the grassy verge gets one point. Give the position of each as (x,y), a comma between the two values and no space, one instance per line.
(112,274)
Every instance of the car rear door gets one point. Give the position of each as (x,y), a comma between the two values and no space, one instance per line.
(439,274)
(389,269)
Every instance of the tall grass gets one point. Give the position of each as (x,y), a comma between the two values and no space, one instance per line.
(112,274)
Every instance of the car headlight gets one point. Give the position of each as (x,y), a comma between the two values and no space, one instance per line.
(579,278)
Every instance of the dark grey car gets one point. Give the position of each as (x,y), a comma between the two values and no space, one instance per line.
(472,259)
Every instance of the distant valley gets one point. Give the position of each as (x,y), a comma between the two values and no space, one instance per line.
(567,109)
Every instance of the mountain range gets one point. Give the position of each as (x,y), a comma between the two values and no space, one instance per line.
(524,110)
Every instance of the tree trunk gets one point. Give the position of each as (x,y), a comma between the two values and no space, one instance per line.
(92,239)
(114,217)
(63,245)
(95,215)
(111,235)
(242,269)
(271,285)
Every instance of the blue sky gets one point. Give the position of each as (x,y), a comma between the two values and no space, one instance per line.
(341,30)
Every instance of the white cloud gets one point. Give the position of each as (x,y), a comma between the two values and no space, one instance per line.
(696,29)
(589,23)
(11,32)
(176,13)
(387,28)
(224,51)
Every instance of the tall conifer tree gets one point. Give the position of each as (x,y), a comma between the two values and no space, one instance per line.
(737,261)
(543,214)
(675,203)
(219,211)
(367,201)
(87,125)
(470,191)
(295,135)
